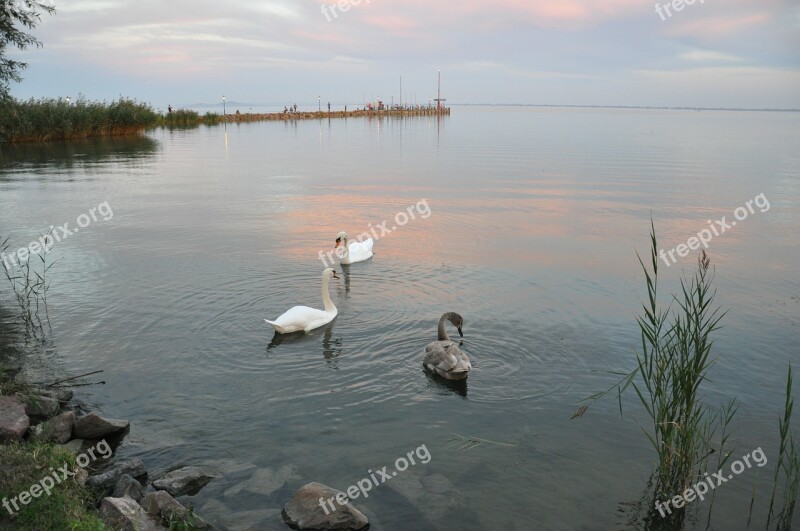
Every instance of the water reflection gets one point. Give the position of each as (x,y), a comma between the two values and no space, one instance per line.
(42,159)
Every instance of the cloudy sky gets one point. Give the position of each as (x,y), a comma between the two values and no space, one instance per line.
(726,53)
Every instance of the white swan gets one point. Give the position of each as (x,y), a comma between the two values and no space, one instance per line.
(305,318)
(353,251)
(443,357)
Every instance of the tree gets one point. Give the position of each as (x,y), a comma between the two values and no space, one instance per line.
(13,15)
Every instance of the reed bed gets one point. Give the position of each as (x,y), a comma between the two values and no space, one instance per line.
(50,119)
(671,367)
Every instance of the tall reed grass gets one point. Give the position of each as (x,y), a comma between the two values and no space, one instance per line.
(57,119)
(674,361)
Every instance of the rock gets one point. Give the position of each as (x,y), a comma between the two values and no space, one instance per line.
(108,479)
(232,468)
(167,510)
(92,426)
(304,511)
(62,395)
(187,480)
(74,446)
(124,514)
(57,429)
(14,422)
(264,481)
(128,487)
(249,520)
(9,369)
(39,406)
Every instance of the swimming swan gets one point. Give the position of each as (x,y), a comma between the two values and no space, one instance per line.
(443,357)
(305,318)
(353,251)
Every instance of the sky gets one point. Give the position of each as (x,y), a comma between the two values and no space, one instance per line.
(710,53)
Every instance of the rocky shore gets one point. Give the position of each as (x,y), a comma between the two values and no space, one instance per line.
(129,499)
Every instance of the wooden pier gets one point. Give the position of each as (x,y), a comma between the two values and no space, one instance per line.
(321,115)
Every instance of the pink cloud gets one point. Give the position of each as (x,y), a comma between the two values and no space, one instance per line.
(718,26)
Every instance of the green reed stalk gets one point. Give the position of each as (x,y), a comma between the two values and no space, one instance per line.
(788,462)
(674,361)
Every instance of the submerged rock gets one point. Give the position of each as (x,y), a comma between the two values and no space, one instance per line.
(305,512)
(14,422)
(124,514)
(264,481)
(166,509)
(57,429)
(92,426)
(186,480)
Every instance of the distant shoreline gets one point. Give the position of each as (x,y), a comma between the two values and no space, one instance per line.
(643,107)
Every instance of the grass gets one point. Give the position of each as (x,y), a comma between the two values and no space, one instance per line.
(29,285)
(673,363)
(180,118)
(788,463)
(69,505)
(50,119)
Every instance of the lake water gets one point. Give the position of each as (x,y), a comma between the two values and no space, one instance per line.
(526,222)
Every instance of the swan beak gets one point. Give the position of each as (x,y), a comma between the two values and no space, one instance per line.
(335,276)
(338,242)
(460,332)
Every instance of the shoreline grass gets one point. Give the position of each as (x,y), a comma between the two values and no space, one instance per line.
(54,119)
(50,119)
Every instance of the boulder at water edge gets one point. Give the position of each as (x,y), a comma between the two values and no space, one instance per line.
(304,511)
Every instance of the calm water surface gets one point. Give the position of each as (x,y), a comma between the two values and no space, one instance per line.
(526,222)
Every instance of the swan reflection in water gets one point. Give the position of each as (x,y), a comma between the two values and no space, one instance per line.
(443,386)
(331,347)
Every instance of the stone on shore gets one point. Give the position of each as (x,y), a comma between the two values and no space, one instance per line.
(187,480)
(57,429)
(38,406)
(128,487)
(124,514)
(165,509)
(14,422)
(304,511)
(62,395)
(92,426)
(74,446)
(108,479)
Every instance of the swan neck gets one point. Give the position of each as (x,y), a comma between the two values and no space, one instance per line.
(442,332)
(326,297)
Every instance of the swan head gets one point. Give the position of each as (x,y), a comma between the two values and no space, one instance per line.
(457,321)
(341,239)
(329,272)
